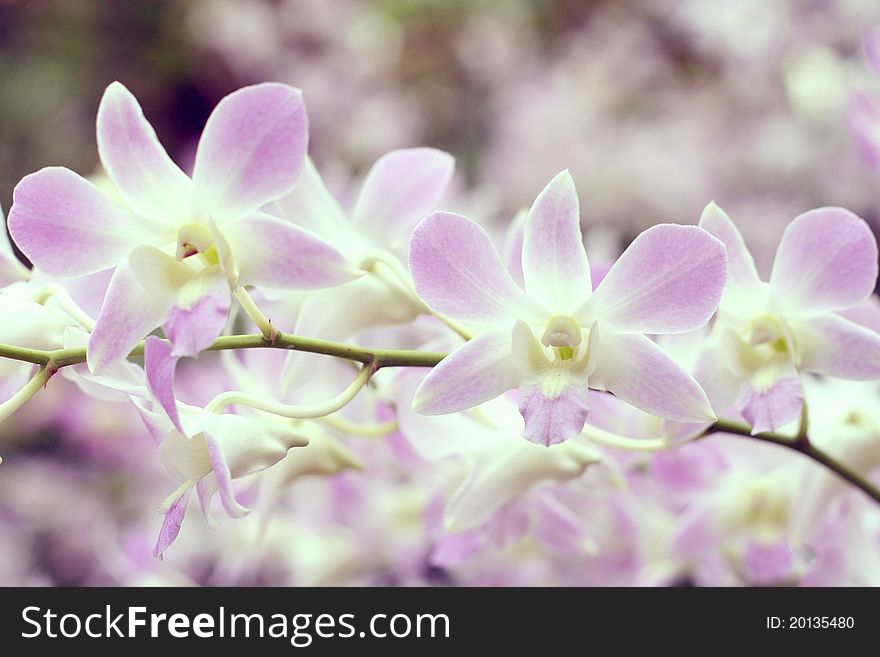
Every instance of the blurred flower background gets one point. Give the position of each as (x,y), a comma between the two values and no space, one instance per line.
(656,107)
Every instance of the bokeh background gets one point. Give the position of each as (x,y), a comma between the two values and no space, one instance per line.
(657,107)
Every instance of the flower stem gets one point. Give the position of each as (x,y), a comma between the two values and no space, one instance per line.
(302,411)
(252,310)
(31,388)
(379,357)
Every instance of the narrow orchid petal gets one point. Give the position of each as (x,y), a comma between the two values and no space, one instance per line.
(479,370)
(554,262)
(11,268)
(129,313)
(206,488)
(742,277)
(310,205)
(555,417)
(401,188)
(275,253)
(635,369)
(160,364)
(669,280)
(200,313)
(507,470)
(512,249)
(826,260)
(149,181)
(173,520)
(458,272)
(224,479)
(67,228)
(835,346)
(251,151)
(770,408)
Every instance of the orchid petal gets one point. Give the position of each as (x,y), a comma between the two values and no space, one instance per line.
(669,280)
(11,268)
(220,467)
(554,262)
(401,188)
(200,314)
(742,277)
(553,418)
(160,363)
(838,347)
(509,469)
(174,515)
(311,206)
(251,151)
(767,408)
(826,260)
(275,253)
(149,181)
(130,311)
(458,272)
(479,370)
(635,369)
(67,228)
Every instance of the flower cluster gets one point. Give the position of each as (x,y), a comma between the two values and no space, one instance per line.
(521,391)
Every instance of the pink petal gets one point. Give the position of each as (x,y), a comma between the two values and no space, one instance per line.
(638,371)
(220,466)
(272,252)
(67,228)
(506,471)
(766,565)
(251,151)
(556,418)
(827,260)
(401,188)
(200,314)
(129,313)
(554,262)
(11,268)
(160,363)
(835,346)
(742,277)
(172,522)
(310,205)
(479,370)
(669,280)
(458,272)
(136,162)
(768,409)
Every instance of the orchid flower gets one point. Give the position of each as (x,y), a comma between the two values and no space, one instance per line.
(170,241)
(768,332)
(557,338)
(206,450)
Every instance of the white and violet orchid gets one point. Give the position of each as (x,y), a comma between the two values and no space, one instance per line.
(170,242)
(768,332)
(557,338)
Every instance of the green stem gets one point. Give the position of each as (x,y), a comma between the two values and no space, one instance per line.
(805,447)
(378,357)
